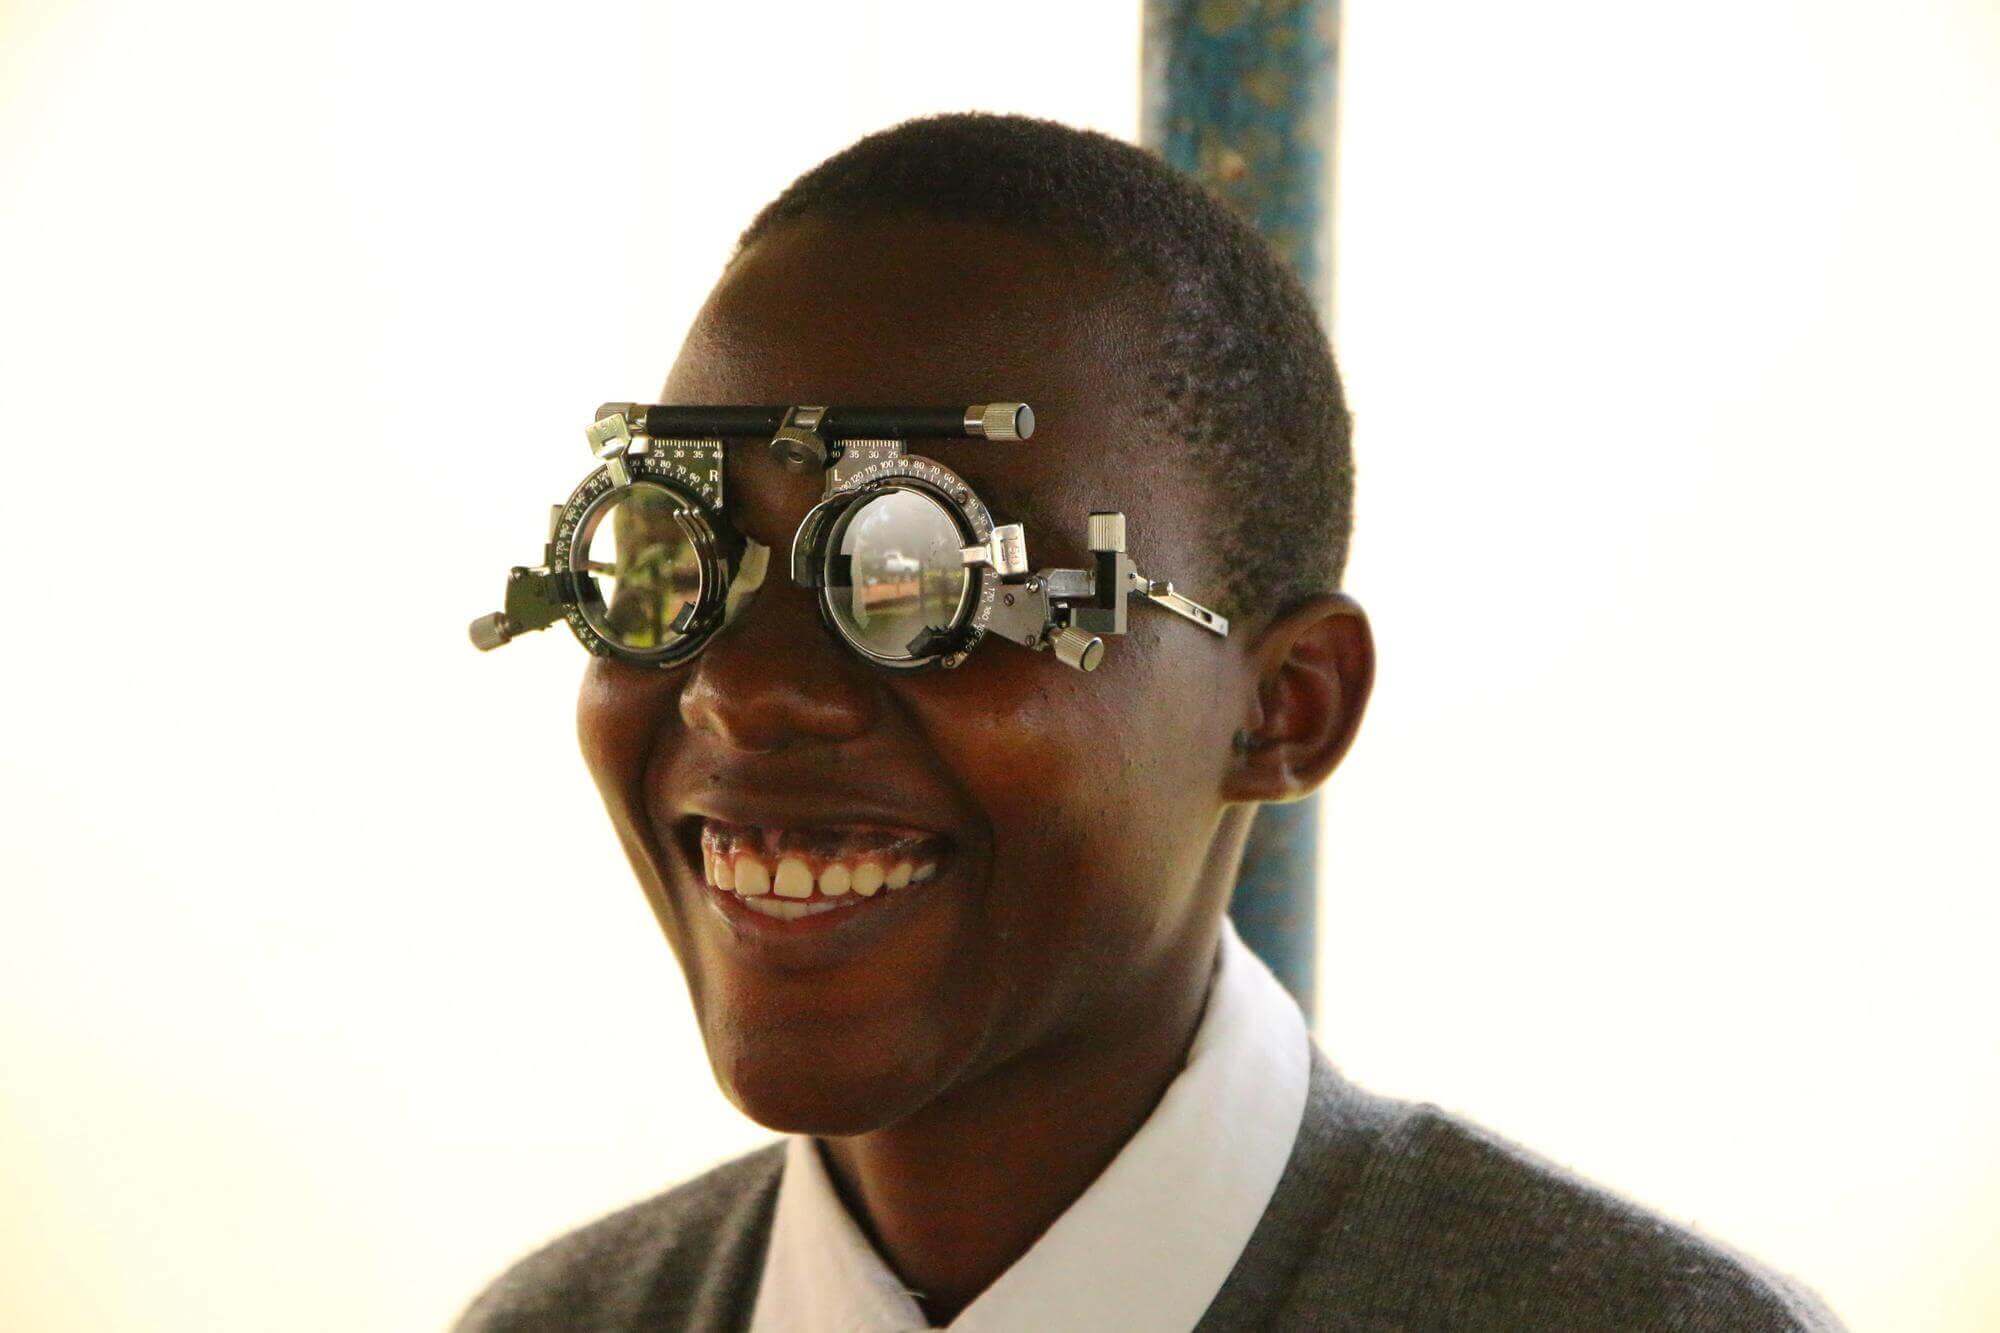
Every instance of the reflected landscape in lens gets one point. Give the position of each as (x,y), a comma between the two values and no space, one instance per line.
(644,568)
(895,580)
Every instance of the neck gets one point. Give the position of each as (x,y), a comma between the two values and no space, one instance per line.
(953,1195)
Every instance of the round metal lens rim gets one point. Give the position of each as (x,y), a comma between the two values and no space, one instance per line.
(593,497)
(837,529)
(934,482)
(694,530)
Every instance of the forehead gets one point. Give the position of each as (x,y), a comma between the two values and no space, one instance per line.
(917,311)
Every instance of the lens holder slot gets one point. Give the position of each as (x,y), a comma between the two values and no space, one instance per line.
(866,471)
(687,477)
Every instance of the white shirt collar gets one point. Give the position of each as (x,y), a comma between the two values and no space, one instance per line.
(1148,1245)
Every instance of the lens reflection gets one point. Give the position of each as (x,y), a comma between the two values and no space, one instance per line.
(638,557)
(894,578)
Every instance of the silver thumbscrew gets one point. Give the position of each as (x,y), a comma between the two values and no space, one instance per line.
(489,632)
(1075,648)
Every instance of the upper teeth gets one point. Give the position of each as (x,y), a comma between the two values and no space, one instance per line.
(784,888)
(793,880)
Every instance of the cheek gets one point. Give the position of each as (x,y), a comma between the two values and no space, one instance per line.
(620,712)
(619,708)
(1100,794)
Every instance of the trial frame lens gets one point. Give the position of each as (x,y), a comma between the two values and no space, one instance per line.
(894,585)
(654,554)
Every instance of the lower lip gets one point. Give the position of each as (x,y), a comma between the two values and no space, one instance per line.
(823,939)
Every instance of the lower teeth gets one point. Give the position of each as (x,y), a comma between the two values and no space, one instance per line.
(792,911)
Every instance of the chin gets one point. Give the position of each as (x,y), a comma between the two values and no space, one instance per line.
(824,1093)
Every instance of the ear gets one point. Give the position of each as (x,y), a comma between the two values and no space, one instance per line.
(1315,667)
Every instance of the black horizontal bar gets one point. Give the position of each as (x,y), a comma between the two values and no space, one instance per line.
(839,423)
(892,423)
(695,423)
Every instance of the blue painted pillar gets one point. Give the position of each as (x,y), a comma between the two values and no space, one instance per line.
(1239,94)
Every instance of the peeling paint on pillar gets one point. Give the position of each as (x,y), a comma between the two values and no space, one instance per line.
(1240,95)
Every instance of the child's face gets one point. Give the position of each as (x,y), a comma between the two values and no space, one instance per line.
(1075,812)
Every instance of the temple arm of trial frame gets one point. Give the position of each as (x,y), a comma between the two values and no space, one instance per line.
(1068,609)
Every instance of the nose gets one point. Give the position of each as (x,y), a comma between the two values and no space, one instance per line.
(776,678)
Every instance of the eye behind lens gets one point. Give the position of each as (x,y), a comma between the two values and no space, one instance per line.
(894,583)
(643,565)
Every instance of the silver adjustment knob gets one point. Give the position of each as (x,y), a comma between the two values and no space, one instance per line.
(1107,532)
(634,414)
(798,445)
(1001,421)
(799,451)
(489,632)
(1075,648)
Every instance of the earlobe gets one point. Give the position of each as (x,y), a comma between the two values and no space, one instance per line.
(1316,666)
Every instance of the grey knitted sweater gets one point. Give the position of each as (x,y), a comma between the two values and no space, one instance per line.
(1389,1216)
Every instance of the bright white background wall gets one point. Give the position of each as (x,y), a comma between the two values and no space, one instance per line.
(1668,848)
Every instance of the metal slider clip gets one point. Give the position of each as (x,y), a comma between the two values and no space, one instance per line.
(1005,551)
(1161,593)
(609,438)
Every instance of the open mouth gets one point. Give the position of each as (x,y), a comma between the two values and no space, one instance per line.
(790,873)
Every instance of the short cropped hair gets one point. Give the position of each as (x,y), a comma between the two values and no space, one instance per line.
(1243,375)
